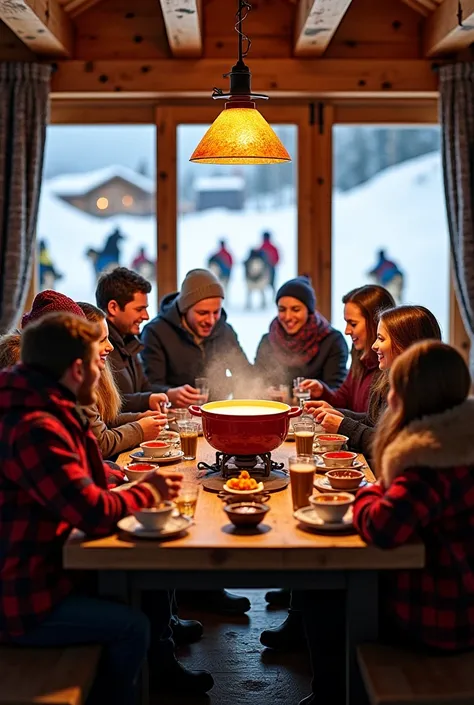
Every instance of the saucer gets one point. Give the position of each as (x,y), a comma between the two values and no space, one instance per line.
(174,526)
(322,467)
(170,457)
(310,520)
(323,485)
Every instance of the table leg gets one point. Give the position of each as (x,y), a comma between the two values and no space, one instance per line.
(361,626)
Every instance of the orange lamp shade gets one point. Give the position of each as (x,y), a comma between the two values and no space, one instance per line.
(240,135)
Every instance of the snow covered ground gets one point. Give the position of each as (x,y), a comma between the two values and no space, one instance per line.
(401,209)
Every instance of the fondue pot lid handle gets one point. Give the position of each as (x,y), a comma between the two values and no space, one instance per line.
(294,411)
(195,410)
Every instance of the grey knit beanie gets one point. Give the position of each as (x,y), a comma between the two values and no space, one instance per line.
(198,284)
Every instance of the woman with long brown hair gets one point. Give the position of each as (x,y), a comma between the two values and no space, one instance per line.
(397,329)
(362,307)
(424,456)
(116,432)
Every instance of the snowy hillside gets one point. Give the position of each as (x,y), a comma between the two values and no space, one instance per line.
(401,209)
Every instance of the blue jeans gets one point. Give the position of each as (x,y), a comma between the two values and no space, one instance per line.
(123,633)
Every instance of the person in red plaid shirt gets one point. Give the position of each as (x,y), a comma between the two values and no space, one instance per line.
(53,478)
(424,456)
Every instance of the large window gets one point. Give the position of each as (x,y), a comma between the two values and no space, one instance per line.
(98,206)
(389,217)
(236,205)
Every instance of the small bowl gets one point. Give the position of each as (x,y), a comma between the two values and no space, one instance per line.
(137,471)
(331,507)
(330,441)
(171,437)
(155,518)
(246,513)
(345,479)
(155,449)
(339,458)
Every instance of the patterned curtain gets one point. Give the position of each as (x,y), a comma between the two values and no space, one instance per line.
(24,100)
(457,119)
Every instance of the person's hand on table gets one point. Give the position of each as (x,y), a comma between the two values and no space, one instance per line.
(152,425)
(184,396)
(314,386)
(167,484)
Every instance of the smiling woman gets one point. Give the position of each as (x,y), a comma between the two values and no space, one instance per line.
(300,342)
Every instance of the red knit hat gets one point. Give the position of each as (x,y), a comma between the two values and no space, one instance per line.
(49,301)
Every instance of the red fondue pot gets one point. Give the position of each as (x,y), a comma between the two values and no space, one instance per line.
(245,426)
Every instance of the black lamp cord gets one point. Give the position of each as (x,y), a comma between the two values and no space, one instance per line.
(241,15)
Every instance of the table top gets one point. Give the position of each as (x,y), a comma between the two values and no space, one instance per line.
(213,543)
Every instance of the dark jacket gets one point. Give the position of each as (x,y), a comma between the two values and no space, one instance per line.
(426,494)
(52,478)
(171,357)
(329,365)
(128,371)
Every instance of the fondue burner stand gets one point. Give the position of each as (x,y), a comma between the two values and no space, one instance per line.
(232,465)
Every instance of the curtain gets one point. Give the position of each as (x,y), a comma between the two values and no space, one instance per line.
(24,101)
(457,120)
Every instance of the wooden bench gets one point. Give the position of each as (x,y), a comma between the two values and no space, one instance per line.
(395,676)
(59,676)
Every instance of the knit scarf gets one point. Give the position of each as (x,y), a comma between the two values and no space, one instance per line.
(298,349)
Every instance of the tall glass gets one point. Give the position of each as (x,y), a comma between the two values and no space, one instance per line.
(182,416)
(188,435)
(300,394)
(302,470)
(202,386)
(304,430)
(187,498)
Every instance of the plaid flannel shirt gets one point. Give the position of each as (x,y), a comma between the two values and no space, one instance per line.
(52,478)
(435,605)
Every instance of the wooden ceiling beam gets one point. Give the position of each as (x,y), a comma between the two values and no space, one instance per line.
(443,34)
(417,7)
(42,25)
(316,23)
(77,7)
(279,77)
(183,21)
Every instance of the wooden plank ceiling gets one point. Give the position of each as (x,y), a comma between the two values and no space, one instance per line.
(157,29)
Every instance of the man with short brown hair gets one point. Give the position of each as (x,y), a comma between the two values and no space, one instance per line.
(52,479)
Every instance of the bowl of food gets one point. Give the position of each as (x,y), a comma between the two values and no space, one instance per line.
(247,514)
(345,479)
(155,518)
(155,449)
(137,471)
(338,458)
(243,484)
(331,507)
(330,441)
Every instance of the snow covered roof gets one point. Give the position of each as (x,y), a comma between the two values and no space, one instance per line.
(219,183)
(82,183)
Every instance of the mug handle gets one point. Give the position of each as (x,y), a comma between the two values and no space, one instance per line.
(195,410)
(295,411)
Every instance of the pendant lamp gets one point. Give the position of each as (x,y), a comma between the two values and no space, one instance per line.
(240,134)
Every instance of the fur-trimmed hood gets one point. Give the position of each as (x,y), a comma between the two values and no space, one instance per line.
(438,441)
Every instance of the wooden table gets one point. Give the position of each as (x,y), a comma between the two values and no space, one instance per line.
(280,553)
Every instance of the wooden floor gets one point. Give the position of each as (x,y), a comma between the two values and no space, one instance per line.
(245,673)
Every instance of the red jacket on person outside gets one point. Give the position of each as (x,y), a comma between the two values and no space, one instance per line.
(426,494)
(52,479)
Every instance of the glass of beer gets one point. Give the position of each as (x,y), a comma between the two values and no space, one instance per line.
(188,434)
(187,498)
(304,430)
(302,470)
